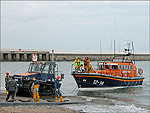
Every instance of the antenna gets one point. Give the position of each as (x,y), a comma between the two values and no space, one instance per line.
(110,47)
(114,26)
(100,51)
(114,33)
(119,44)
(114,48)
(133,52)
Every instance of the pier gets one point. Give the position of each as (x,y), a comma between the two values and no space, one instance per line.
(62,55)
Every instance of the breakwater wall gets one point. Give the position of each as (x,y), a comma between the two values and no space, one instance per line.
(46,55)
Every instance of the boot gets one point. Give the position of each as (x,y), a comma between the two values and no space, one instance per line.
(56,99)
(61,100)
(38,97)
(34,97)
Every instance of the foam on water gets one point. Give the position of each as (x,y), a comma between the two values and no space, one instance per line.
(101,88)
(108,108)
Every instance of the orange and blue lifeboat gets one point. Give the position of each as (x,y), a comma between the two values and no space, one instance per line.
(110,74)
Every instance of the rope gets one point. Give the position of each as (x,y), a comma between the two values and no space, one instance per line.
(74,89)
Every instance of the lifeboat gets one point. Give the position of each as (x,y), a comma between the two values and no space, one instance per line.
(116,73)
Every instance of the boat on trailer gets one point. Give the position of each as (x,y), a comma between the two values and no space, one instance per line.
(117,73)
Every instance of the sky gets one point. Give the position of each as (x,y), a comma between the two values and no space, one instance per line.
(75,25)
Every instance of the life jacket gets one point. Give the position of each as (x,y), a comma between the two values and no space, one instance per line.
(78,62)
(57,84)
(6,77)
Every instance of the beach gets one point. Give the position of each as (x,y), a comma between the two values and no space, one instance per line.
(15,108)
(36,109)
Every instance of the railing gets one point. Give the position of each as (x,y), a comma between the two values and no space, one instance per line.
(75,70)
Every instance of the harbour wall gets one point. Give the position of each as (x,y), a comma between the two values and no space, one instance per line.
(46,55)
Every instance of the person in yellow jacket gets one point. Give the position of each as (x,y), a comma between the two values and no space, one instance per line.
(6,81)
(77,63)
(35,89)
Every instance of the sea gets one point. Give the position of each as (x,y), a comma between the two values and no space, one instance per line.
(135,99)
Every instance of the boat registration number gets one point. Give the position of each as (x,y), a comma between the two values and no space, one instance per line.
(98,82)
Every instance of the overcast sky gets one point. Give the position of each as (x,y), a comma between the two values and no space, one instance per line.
(74,25)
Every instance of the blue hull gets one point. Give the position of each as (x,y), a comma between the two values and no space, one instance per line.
(99,80)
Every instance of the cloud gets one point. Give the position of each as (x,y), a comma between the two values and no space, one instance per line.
(69,22)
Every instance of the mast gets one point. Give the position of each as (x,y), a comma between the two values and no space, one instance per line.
(128,50)
(114,48)
(100,50)
(111,47)
(119,44)
(133,52)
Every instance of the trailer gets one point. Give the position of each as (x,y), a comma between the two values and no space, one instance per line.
(44,72)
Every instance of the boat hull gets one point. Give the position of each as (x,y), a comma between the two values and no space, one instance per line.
(90,80)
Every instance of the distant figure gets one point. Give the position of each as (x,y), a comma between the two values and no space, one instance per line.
(34,57)
(123,59)
(11,87)
(77,63)
(35,89)
(57,88)
(6,80)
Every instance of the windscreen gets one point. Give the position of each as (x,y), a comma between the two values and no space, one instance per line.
(35,67)
(46,69)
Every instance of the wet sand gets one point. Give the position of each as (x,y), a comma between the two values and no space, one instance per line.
(32,108)
(75,104)
(36,109)
(43,105)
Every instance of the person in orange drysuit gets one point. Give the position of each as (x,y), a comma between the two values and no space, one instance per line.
(35,89)
(87,67)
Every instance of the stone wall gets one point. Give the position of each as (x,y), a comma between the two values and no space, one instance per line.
(47,56)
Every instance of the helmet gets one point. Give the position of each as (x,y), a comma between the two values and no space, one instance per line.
(7,73)
(58,77)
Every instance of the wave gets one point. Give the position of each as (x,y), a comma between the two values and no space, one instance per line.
(108,108)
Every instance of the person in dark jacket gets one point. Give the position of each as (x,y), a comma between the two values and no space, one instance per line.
(57,89)
(11,87)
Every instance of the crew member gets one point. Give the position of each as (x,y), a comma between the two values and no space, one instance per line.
(11,87)
(6,80)
(35,89)
(77,63)
(57,89)
(87,67)
(86,63)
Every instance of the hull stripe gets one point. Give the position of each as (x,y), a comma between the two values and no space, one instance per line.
(109,78)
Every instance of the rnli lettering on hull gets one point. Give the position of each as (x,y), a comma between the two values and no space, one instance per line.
(98,83)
